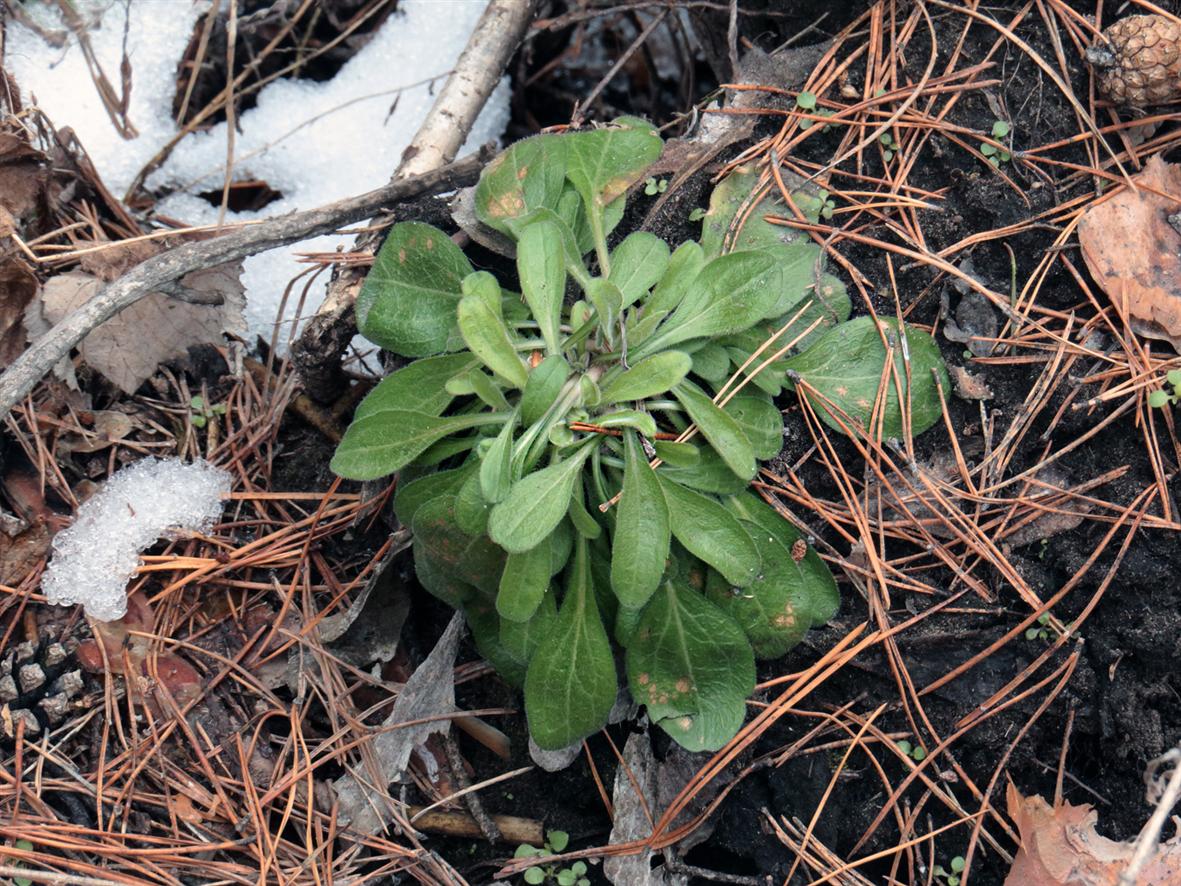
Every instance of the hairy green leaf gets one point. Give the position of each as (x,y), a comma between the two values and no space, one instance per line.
(847,365)
(523,583)
(710,532)
(683,267)
(642,535)
(603,163)
(543,387)
(637,264)
(731,198)
(521,639)
(535,505)
(407,304)
(418,387)
(541,264)
(608,302)
(413,493)
(719,428)
(711,362)
(773,610)
(387,441)
(708,473)
(456,555)
(809,571)
(649,377)
(690,664)
(760,421)
(629,418)
(496,473)
(489,338)
(729,295)
(571,684)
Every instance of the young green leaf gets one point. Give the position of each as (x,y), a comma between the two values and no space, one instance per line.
(471,508)
(608,302)
(629,418)
(489,339)
(683,267)
(637,264)
(407,304)
(729,295)
(541,265)
(483,386)
(760,421)
(679,455)
(527,176)
(719,428)
(536,504)
(690,664)
(543,387)
(496,474)
(385,442)
(711,533)
(846,366)
(571,685)
(642,535)
(580,518)
(485,285)
(649,377)
(418,387)
(523,583)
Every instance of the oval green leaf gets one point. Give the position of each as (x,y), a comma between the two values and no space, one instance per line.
(489,339)
(649,377)
(719,428)
(535,505)
(385,442)
(711,533)
(642,535)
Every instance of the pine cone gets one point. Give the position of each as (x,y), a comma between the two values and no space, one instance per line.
(1138,61)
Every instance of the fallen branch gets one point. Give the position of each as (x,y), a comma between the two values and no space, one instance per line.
(158,272)
(318,351)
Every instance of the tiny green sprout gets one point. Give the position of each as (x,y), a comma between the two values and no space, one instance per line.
(654,186)
(555,842)
(24,846)
(1163,397)
(1042,632)
(890,146)
(996,156)
(697,214)
(806,101)
(915,752)
(201,412)
(827,207)
(950,877)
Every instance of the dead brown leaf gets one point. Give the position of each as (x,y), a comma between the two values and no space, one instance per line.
(17,288)
(128,348)
(1059,846)
(1134,252)
(24,174)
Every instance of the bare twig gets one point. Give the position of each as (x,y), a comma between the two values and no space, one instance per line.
(161,270)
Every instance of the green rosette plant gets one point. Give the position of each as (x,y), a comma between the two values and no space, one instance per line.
(575,457)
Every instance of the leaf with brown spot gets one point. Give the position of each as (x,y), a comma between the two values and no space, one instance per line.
(1134,253)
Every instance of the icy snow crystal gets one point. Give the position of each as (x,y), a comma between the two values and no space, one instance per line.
(95,557)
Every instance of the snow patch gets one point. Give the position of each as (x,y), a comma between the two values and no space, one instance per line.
(312,142)
(94,558)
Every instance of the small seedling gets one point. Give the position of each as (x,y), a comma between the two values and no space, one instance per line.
(1164,397)
(1043,631)
(555,842)
(654,186)
(915,752)
(697,214)
(807,102)
(950,877)
(24,846)
(996,156)
(203,412)
(890,146)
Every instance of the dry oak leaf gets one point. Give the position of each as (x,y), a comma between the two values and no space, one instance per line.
(1135,253)
(129,347)
(17,288)
(1059,846)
